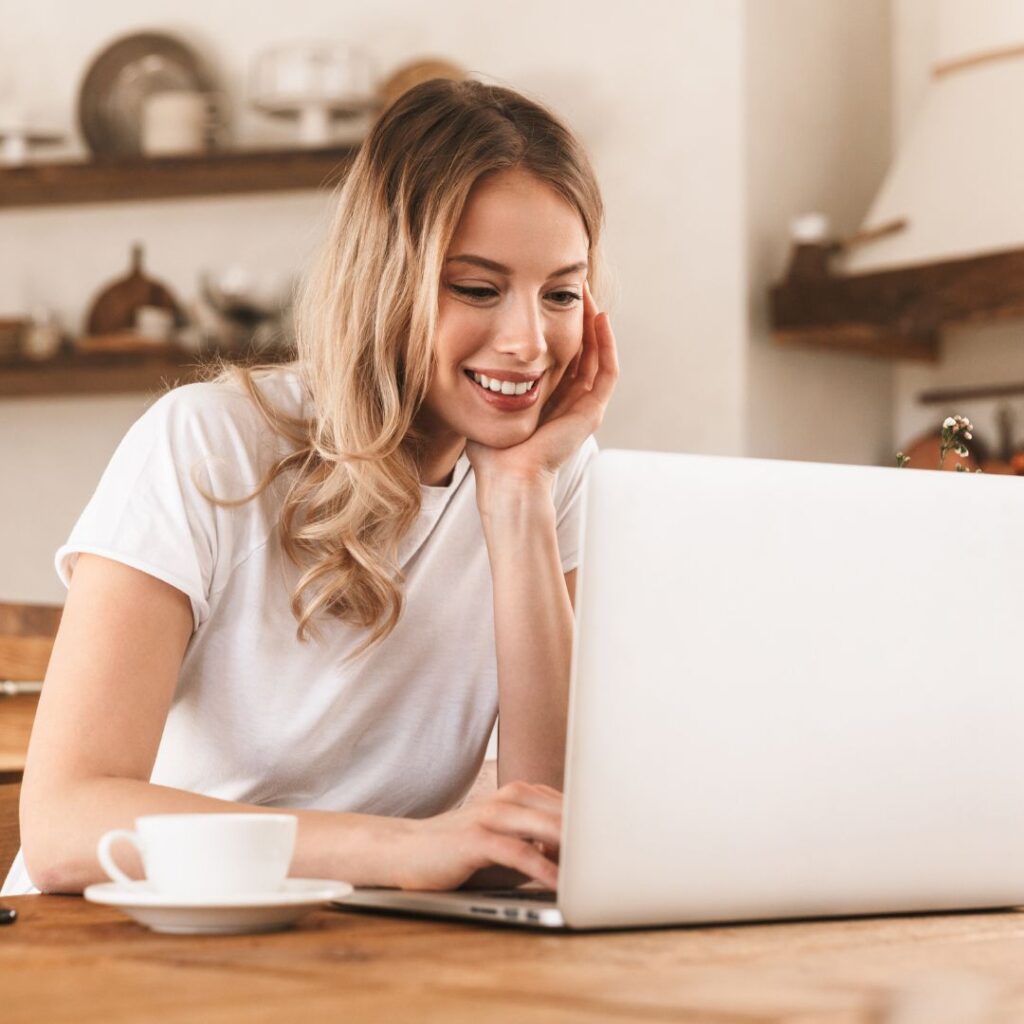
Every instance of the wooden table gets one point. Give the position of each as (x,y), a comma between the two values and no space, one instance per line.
(16,716)
(69,960)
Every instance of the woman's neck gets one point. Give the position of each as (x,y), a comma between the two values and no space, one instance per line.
(437,465)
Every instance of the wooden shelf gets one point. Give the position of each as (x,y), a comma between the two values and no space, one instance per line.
(898,313)
(75,374)
(107,181)
(111,181)
(943,396)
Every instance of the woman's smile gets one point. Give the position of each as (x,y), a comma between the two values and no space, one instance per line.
(505,394)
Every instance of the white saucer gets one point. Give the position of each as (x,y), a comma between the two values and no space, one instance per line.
(218,915)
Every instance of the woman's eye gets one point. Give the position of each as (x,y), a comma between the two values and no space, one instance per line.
(473,293)
(562,298)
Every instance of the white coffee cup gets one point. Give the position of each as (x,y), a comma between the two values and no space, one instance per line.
(176,122)
(154,323)
(202,855)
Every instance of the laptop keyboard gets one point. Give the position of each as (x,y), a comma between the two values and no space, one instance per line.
(533,895)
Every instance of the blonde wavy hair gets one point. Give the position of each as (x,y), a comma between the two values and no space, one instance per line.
(365,317)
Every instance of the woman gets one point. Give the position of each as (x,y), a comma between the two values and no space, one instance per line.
(313,587)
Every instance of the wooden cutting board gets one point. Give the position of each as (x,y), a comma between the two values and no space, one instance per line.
(114,308)
(123,343)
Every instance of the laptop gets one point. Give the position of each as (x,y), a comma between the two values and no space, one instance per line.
(797,691)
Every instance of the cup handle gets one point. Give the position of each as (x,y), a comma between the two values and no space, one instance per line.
(215,124)
(106,859)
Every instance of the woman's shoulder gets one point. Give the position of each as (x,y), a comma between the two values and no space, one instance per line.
(181,497)
(229,398)
(207,413)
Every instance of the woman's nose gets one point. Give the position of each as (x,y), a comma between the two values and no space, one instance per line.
(521,334)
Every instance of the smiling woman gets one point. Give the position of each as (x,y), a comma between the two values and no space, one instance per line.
(512,321)
(314,586)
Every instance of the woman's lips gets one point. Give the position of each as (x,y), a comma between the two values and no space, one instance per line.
(506,403)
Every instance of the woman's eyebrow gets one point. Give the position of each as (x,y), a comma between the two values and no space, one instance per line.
(500,268)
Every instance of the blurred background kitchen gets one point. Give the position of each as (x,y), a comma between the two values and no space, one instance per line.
(814,229)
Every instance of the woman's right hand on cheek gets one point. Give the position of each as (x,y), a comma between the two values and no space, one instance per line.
(502,829)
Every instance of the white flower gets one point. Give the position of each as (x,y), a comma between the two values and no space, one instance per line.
(949,422)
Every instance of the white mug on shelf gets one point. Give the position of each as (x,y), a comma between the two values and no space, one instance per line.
(154,323)
(207,855)
(178,122)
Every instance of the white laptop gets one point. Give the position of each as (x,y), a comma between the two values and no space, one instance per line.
(797,690)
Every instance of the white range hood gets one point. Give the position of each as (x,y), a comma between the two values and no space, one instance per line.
(958,179)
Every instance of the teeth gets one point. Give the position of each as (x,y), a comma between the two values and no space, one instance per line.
(504,387)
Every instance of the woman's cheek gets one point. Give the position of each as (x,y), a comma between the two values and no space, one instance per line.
(559,372)
(568,341)
(573,350)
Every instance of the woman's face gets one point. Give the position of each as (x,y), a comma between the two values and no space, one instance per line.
(510,304)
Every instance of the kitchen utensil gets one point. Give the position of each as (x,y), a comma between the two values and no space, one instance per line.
(12,330)
(237,311)
(404,77)
(154,323)
(219,915)
(42,338)
(236,294)
(178,121)
(17,138)
(128,342)
(15,688)
(315,83)
(206,855)
(115,307)
(121,76)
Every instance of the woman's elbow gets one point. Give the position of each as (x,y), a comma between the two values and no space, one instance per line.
(43,852)
(50,874)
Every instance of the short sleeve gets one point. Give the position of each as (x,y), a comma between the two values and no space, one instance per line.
(149,510)
(568,498)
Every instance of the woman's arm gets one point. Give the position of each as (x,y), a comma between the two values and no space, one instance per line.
(533,624)
(533,611)
(108,689)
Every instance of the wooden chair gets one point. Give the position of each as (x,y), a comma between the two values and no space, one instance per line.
(26,638)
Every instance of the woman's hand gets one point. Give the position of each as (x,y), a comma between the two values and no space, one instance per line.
(572,413)
(517,827)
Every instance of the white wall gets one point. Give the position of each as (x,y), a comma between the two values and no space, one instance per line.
(710,123)
(653,88)
(818,107)
(969,356)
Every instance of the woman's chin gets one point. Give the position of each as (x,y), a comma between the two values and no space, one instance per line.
(504,436)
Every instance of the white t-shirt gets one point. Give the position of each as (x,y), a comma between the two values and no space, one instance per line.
(258,716)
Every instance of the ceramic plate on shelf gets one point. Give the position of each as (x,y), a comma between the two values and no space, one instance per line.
(121,77)
(219,915)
